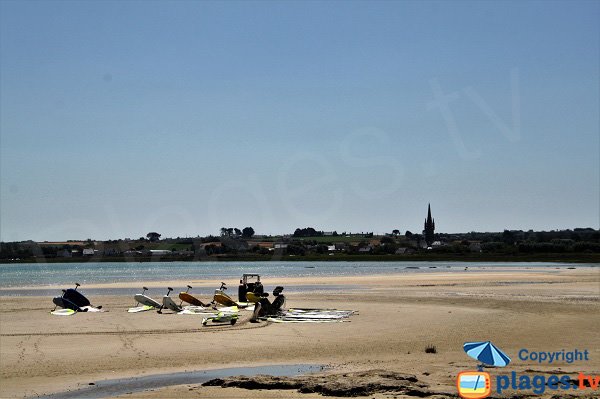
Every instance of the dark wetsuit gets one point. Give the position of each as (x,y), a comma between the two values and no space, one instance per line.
(265,308)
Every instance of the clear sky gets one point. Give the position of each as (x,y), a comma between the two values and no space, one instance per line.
(120,118)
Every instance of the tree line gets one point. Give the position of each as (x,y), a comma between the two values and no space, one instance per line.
(246,232)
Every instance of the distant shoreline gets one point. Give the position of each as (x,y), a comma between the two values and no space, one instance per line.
(557,258)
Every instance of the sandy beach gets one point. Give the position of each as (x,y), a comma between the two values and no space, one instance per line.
(398,316)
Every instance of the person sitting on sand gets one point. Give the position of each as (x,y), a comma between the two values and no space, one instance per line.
(265,308)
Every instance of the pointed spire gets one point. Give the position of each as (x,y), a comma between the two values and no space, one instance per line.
(429,227)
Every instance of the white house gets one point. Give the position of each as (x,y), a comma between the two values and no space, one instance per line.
(158,252)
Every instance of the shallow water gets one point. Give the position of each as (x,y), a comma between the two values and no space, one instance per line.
(46,274)
(116,387)
(202,293)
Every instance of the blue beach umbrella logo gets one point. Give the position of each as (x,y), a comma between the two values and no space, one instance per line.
(477,384)
(487,353)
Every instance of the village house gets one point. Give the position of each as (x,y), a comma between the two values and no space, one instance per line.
(365,250)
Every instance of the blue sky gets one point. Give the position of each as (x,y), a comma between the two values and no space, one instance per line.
(119,118)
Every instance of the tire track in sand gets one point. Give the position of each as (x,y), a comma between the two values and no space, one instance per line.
(212,329)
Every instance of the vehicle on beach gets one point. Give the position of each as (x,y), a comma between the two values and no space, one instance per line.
(225,315)
(250,288)
(169,303)
(145,300)
(192,300)
(72,301)
(65,303)
(222,298)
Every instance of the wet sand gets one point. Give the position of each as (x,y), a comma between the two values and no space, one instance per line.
(398,316)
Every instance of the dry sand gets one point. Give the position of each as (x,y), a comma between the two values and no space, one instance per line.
(399,315)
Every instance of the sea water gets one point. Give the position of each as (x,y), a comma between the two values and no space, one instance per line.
(52,274)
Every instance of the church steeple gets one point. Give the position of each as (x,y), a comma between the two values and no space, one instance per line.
(429,227)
